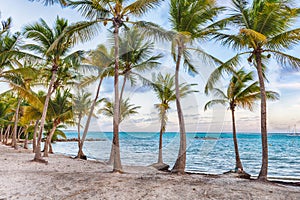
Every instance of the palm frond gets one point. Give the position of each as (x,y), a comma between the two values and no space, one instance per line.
(140,7)
(214,102)
(286,60)
(152,30)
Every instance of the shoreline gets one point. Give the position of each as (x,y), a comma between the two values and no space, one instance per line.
(67,178)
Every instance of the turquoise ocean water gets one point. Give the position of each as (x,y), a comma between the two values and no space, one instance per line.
(206,152)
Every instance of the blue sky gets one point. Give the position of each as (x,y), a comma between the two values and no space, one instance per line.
(282,114)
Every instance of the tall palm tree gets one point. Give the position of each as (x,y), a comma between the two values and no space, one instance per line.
(164,89)
(264,32)
(118,13)
(53,46)
(135,58)
(191,21)
(99,61)
(241,92)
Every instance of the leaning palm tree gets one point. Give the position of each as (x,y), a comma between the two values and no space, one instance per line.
(60,111)
(99,61)
(118,13)
(53,46)
(164,88)
(241,92)
(191,21)
(264,32)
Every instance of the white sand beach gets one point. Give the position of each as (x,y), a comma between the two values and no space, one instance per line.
(67,178)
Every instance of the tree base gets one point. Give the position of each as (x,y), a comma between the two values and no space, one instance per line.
(117,171)
(239,174)
(178,172)
(40,160)
(160,166)
(83,157)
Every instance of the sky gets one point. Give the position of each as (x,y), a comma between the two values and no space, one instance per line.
(282,114)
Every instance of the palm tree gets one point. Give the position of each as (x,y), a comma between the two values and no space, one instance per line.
(190,20)
(126,109)
(118,13)
(99,60)
(81,108)
(164,89)
(53,45)
(135,56)
(240,93)
(264,32)
(19,78)
(60,111)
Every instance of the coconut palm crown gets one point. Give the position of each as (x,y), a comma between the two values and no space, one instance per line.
(241,92)
(264,31)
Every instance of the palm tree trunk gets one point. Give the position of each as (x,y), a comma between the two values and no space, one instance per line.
(19,134)
(80,153)
(179,166)
(162,130)
(38,154)
(111,157)
(26,139)
(117,166)
(49,138)
(6,134)
(14,136)
(238,163)
(263,106)
(34,135)
(78,130)
(1,132)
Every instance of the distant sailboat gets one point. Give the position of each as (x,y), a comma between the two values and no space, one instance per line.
(294,132)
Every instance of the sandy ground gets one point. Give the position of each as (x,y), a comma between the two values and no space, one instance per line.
(67,178)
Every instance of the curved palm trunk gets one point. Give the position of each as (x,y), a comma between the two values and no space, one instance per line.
(179,166)
(34,135)
(14,136)
(19,134)
(111,157)
(263,105)
(49,138)
(117,166)
(38,154)
(162,130)
(26,139)
(80,153)
(238,163)
(6,134)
